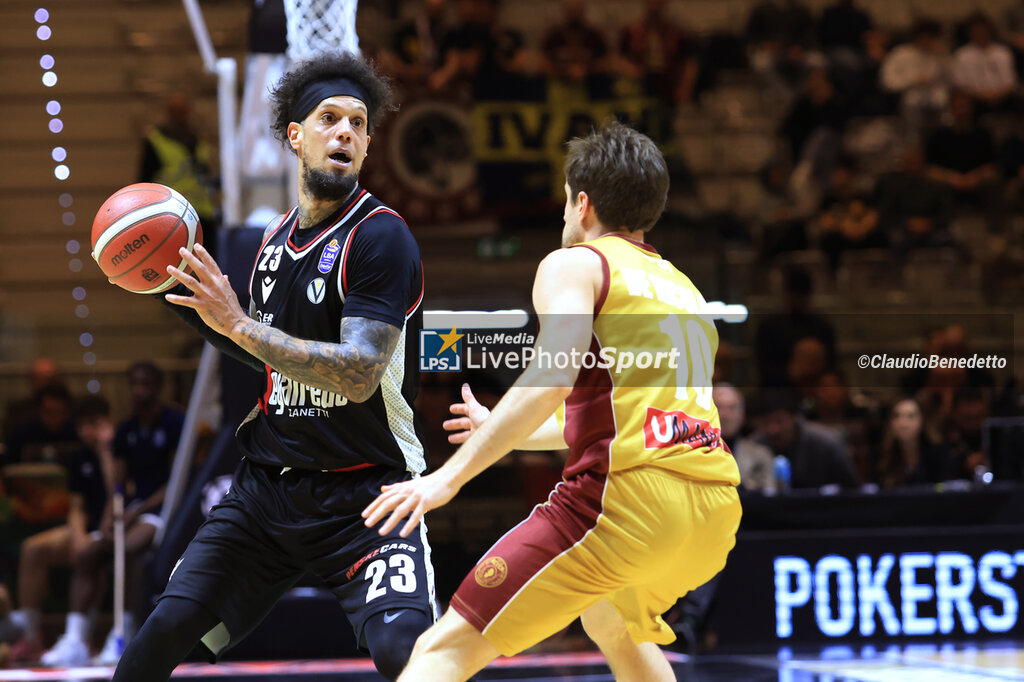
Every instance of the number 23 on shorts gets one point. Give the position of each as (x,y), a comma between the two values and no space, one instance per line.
(397,572)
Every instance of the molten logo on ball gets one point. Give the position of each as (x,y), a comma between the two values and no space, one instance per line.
(128,249)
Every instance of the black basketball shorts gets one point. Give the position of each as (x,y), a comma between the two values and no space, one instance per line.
(273,526)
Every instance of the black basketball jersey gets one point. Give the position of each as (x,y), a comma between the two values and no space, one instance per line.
(361,262)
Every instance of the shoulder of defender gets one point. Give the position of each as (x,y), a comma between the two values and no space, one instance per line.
(575,263)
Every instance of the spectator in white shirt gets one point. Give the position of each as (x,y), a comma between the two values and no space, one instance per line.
(755,461)
(984,68)
(918,70)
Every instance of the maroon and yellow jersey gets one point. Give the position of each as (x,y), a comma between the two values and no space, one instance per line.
(657,411)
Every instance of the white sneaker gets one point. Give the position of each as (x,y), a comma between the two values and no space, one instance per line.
(112,650)
(67,652)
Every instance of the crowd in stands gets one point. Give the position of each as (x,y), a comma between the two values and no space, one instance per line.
(51,432)
(950,93)
(928,430)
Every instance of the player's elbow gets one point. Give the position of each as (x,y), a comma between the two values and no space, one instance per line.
(564,388)
(556,382)
(363,391)
(360,394)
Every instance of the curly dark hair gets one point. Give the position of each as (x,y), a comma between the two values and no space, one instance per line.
(326,66)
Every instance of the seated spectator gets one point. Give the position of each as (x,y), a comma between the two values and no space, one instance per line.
(817,457)
(934,388)
(42,372)
(779,24)
(847,219)
(574,50)
(89,484)
(777,334)
(814,125)
(914,209)
(861,86)
(48,436)
(841,32)
(909,454)
(983,68)
(1010,402)
(918,71)
(781,218)
(755,461)
(7,630)
(658,53)
(808,360)
(963,432)
(780,34)
(962,156)
(1015,34)
(1011,157)
(462,49)
(503,66)
(725,362)
(834,407)
(415,50)
(143,449)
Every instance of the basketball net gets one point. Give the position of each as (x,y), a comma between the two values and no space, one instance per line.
(317,26)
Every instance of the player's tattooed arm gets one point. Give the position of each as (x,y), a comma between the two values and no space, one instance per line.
(352,368)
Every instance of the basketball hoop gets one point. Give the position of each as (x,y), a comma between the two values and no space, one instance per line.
(318,26)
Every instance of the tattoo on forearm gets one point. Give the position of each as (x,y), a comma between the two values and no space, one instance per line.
(352,368)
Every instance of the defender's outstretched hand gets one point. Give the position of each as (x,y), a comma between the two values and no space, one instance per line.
(213,298)
(409,498)
(474,412)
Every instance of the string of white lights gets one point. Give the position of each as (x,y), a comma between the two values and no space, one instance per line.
(62,171)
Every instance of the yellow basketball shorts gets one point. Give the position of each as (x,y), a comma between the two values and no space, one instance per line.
(640,538)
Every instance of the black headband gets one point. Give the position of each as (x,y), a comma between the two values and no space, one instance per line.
(318,91)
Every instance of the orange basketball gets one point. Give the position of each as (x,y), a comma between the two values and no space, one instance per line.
(137,233)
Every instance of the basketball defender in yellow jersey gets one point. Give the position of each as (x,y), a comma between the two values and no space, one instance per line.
(648,508)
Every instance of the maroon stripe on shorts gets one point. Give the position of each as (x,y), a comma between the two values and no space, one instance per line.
(572,510)
(589,420)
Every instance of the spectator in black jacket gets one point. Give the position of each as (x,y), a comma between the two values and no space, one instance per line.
(962,156)
(817,456)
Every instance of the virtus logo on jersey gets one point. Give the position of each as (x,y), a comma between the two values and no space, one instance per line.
(440,351)
(315,291)
(667,429)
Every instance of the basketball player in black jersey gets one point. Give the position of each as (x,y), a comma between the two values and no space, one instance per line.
(334,314)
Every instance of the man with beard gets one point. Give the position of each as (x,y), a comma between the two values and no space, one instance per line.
(333,315)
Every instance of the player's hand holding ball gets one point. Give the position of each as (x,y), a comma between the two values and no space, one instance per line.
(146,238)
(212,296)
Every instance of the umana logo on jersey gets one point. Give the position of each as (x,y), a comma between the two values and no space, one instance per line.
(668,429)
(295,399)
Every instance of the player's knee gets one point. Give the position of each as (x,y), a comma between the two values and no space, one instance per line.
(32,550)
(391,661)
(604,628)
(92,556)
(391,639)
